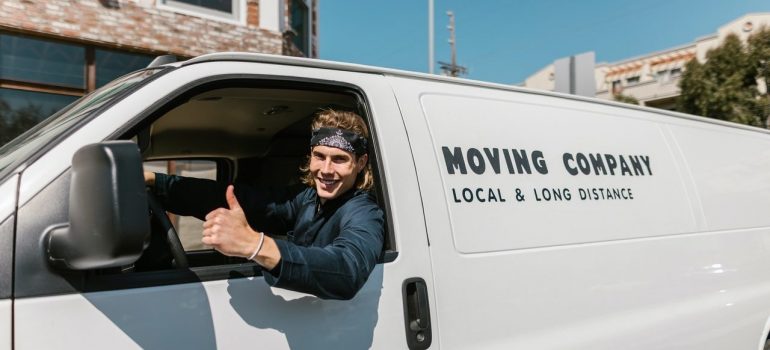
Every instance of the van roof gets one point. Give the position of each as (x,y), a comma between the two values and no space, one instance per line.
(351,67)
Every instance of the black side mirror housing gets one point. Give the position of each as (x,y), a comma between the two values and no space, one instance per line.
(108,217)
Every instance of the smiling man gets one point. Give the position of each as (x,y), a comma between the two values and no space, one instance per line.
(334,228)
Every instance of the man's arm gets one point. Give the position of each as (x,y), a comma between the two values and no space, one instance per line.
(186,195)
(269,209)
(336,271)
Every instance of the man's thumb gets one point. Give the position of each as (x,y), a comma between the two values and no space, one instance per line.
(232,202)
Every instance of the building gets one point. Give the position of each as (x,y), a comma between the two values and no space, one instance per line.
(653,79)
(54,51)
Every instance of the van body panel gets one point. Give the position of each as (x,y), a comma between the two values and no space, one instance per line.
(725,174)
(8,194)
(593,182)
(6,257)
(635,273)
(229,312)
(218,314)
(7,224)
(6,342)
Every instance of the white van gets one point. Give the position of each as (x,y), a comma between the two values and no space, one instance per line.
(516,219)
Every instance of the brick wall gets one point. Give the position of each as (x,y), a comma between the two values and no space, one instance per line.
(138,25)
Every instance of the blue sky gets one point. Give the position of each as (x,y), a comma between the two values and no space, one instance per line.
(506,41)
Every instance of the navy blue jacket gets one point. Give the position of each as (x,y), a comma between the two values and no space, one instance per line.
(329,250)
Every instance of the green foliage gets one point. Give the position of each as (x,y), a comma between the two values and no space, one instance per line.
(725,86)
(625,99)
(14,122)
(759,51)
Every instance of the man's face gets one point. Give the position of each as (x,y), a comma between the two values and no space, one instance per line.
(334,170)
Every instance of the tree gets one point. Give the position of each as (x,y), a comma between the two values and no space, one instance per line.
(6,134)
(759,51)
(15,122)
(725,86)
(625,99)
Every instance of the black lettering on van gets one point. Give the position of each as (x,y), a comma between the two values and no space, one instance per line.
(494,158)
(624,167)
(521,160)
(478,195)
(646,160)
(508,161)
(636,165)
(611,163)
(478,166)
(597,163)
(539,161)
(567,158)
(582,163)
(454,195)
(467,195)
(454,160)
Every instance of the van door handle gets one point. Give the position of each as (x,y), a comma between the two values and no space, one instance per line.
(416,313)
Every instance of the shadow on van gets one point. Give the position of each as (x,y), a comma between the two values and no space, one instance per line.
(169,317)
(309,322)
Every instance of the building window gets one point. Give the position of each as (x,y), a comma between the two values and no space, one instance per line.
(112,64)
(221,9)
(300,23)
(632,80)
(21,110)
(662,76)
(616,87)
(39,76)
(676,72)
(41,61)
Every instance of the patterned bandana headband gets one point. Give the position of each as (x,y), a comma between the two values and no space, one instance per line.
(339,138)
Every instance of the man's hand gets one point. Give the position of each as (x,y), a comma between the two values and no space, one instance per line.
(229,233)
(149,178)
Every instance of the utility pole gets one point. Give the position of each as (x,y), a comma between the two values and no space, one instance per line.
(452,69)
(430,36)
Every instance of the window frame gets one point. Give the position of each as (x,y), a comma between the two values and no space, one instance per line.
(238,16)
(53,88)
(240,268)
(50,205)
(633,80)
(224,172)
(306,20)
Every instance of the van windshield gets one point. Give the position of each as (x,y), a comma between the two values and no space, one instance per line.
(17,151)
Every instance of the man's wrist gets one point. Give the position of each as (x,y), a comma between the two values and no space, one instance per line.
(259,246)
(269,255)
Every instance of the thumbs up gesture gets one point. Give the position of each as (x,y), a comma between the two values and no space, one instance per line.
(227,230)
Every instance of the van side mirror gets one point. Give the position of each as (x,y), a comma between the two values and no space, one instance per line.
(108,217)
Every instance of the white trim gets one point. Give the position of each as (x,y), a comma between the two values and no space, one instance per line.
(271,15)
(238,16)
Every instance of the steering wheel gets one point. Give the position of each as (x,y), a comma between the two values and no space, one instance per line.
(172,237)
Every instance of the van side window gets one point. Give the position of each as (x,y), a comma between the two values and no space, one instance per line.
(249,132)
(188,228)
